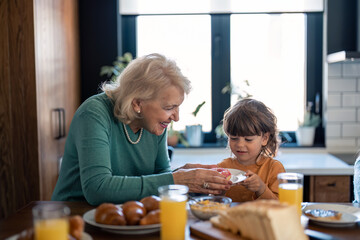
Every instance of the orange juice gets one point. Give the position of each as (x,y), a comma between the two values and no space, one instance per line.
(173,219)
(54,229)
(292,194)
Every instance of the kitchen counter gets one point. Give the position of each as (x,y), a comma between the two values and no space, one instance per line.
(349,158)
(312,161)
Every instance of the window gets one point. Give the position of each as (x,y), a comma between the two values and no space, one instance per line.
(268,50)
(285,47)
(186,39)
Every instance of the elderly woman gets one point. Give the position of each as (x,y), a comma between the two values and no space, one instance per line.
(116,148)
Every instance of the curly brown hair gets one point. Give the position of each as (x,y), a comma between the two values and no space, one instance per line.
(250,117)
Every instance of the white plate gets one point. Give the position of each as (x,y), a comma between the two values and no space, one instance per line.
(350,215)
(131,230)
(85,236)
(237,175)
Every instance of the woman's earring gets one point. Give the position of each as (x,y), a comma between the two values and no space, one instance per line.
(138,111)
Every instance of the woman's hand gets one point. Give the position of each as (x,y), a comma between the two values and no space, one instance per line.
(201,180)
(254,183)
(189,165)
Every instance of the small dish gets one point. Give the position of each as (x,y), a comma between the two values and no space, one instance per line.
(237,175)
(350,215)
(208,206)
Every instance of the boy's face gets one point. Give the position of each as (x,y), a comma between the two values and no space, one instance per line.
(246,149)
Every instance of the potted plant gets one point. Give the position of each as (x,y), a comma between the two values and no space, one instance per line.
(305,134)
(174,137)
(112,72)
(194,134)
(221,137)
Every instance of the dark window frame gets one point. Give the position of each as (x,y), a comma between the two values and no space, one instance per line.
(220,53)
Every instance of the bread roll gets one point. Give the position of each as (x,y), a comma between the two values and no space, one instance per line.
(134,211)
(108,213)
(151,203)
(76,226)
(152,217)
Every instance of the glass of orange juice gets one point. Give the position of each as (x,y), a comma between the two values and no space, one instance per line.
(51,221)
(291,189)
(173,214)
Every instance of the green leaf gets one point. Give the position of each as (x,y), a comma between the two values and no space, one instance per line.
(183,140)
(310,120)
(118,66)
(106,70)
(219,131)
(197,109)
(241,94)
(128,57)
(226,89)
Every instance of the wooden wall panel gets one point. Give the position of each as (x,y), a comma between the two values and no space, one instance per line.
(6,164)
(19,157)
(57,73)
(39,59)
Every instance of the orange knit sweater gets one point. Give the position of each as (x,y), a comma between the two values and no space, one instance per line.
(266,168)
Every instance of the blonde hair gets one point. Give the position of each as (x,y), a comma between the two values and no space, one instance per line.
(250,117)
(142,79)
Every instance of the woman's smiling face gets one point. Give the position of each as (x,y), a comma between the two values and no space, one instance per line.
(158,113)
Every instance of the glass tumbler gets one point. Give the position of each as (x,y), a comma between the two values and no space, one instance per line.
(51,221)
(291,189)
(173,215)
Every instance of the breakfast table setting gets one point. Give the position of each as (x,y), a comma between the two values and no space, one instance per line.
(195,228)
(177,214)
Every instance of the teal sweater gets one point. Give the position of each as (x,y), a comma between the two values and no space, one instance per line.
(101,165)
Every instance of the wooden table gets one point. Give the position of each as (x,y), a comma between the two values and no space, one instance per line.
(23,219)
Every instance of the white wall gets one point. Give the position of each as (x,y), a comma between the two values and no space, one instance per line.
(343,107)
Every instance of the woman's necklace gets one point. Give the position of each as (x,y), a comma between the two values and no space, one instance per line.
(128,137)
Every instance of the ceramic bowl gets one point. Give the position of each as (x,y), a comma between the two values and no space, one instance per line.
(208,206)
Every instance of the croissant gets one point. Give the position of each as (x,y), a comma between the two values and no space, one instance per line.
(76,227)
(151,203)
(108,213)
(133,211)
(152,217)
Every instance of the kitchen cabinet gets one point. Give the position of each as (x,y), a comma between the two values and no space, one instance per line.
(39,94)
(329,189)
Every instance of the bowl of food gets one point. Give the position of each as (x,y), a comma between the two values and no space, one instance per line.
(208,206)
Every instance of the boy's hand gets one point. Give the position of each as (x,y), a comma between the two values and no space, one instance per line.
(254,183)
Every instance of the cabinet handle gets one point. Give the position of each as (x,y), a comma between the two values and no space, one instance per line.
(332,184)
(60,133)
